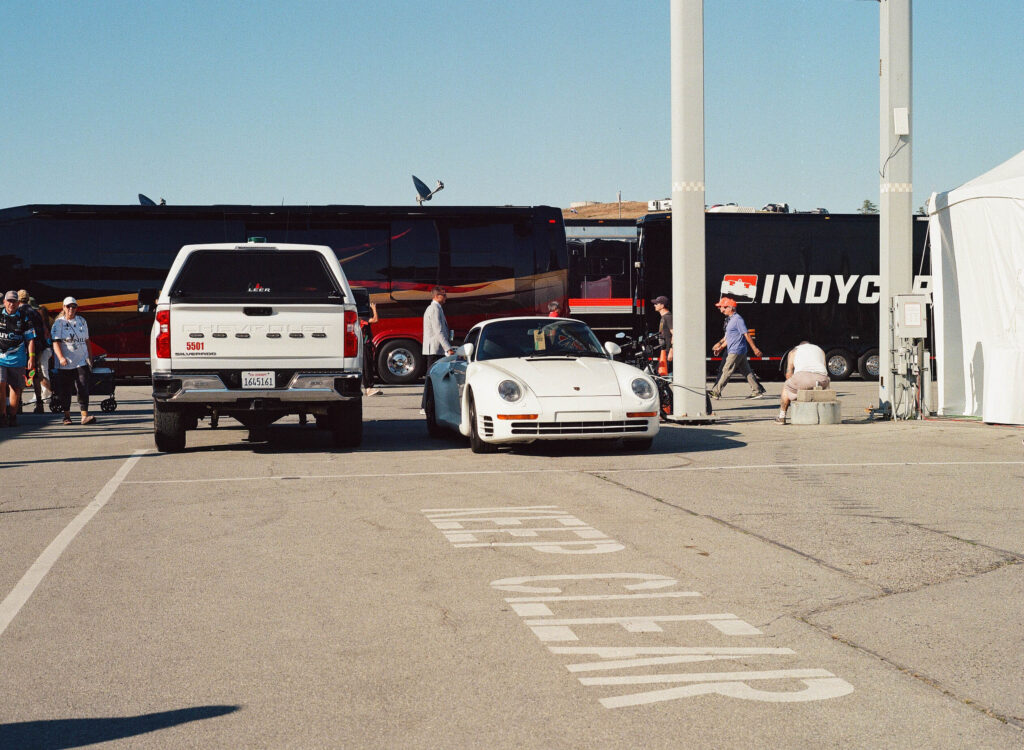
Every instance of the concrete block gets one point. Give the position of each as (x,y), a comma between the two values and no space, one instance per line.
(820,395)
(815,412)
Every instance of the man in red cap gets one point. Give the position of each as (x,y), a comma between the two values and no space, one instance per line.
(735,343)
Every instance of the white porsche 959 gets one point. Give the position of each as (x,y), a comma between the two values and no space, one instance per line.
(516,380)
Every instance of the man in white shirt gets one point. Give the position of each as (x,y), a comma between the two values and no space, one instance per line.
(805,369)
(436,334)
(70,334)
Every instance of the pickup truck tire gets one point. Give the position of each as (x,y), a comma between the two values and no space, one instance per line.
(168,430)
(400,361)
(347,424)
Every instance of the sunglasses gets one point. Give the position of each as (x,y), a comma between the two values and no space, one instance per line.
(71,307)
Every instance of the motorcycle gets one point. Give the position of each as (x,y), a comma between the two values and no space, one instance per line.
(642,353)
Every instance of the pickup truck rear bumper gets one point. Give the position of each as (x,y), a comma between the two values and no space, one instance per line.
(209,388)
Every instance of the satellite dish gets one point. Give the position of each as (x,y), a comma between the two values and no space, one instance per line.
(423,193)
(146,200)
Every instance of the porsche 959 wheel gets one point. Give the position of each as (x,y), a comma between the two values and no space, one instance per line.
(476,444)
(433,428)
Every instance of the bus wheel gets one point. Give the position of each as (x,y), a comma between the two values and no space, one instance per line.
(868,365)
(399,361)
(839,364)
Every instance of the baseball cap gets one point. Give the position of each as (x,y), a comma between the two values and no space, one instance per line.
(726,302)
(23,295)
(661,300)
(11,295)
(70,301)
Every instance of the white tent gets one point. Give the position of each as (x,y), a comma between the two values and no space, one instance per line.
(977,242)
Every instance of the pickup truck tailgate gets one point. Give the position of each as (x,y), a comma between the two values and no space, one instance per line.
(207,335)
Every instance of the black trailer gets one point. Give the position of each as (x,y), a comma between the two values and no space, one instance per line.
(795,277)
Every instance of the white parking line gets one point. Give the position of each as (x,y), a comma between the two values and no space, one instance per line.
(747,467)
(11,605)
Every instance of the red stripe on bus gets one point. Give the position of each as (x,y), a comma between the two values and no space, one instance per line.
(593,302)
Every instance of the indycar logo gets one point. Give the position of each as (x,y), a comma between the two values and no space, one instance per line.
(812,289)
(740,286)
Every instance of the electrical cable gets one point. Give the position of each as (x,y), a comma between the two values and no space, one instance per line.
(899,146)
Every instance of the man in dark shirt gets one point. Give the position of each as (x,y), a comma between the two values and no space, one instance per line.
(665,326)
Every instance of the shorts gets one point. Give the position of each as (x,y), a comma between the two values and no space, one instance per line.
(804,381)
(43,364)
(12,376)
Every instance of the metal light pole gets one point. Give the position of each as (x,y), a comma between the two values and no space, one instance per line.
(688,303)
(896,188)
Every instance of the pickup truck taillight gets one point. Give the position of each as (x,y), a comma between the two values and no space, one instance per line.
(351,333)
(163,334)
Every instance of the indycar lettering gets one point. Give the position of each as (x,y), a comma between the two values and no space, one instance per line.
(810,288)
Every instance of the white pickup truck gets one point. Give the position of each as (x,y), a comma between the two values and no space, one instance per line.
(256,331)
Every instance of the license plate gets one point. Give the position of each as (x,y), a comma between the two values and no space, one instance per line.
(582,416)
(257,378)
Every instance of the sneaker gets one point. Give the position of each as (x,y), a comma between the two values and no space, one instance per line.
(714,395)
(753,396)
(423,412)
(373,391)
(780,420)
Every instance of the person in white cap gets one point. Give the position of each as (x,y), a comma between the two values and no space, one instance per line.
(70,334)
(17,352)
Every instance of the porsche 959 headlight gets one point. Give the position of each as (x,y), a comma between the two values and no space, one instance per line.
(642,388)
(510,390)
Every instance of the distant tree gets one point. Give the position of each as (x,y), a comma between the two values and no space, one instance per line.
(868,207)
(922,210)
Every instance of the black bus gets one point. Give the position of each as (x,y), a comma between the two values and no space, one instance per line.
(795,277)
(493,261)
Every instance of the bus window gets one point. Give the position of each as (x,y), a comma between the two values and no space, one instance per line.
(415,254)
(488,252)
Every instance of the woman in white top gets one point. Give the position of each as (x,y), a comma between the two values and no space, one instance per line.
(805,368)
(70,334)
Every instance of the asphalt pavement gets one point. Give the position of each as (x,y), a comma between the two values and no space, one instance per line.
(742,584)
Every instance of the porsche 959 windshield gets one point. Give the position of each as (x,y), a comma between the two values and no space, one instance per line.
(538,337)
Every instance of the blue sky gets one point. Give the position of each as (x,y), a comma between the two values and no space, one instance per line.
(520,103)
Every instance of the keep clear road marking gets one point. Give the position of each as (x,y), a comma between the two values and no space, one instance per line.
(596,472)
(10,606)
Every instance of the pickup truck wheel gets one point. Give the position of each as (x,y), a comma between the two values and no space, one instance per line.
(476,444)
(347,424)
(399,361)
(433,428)
(168,430)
